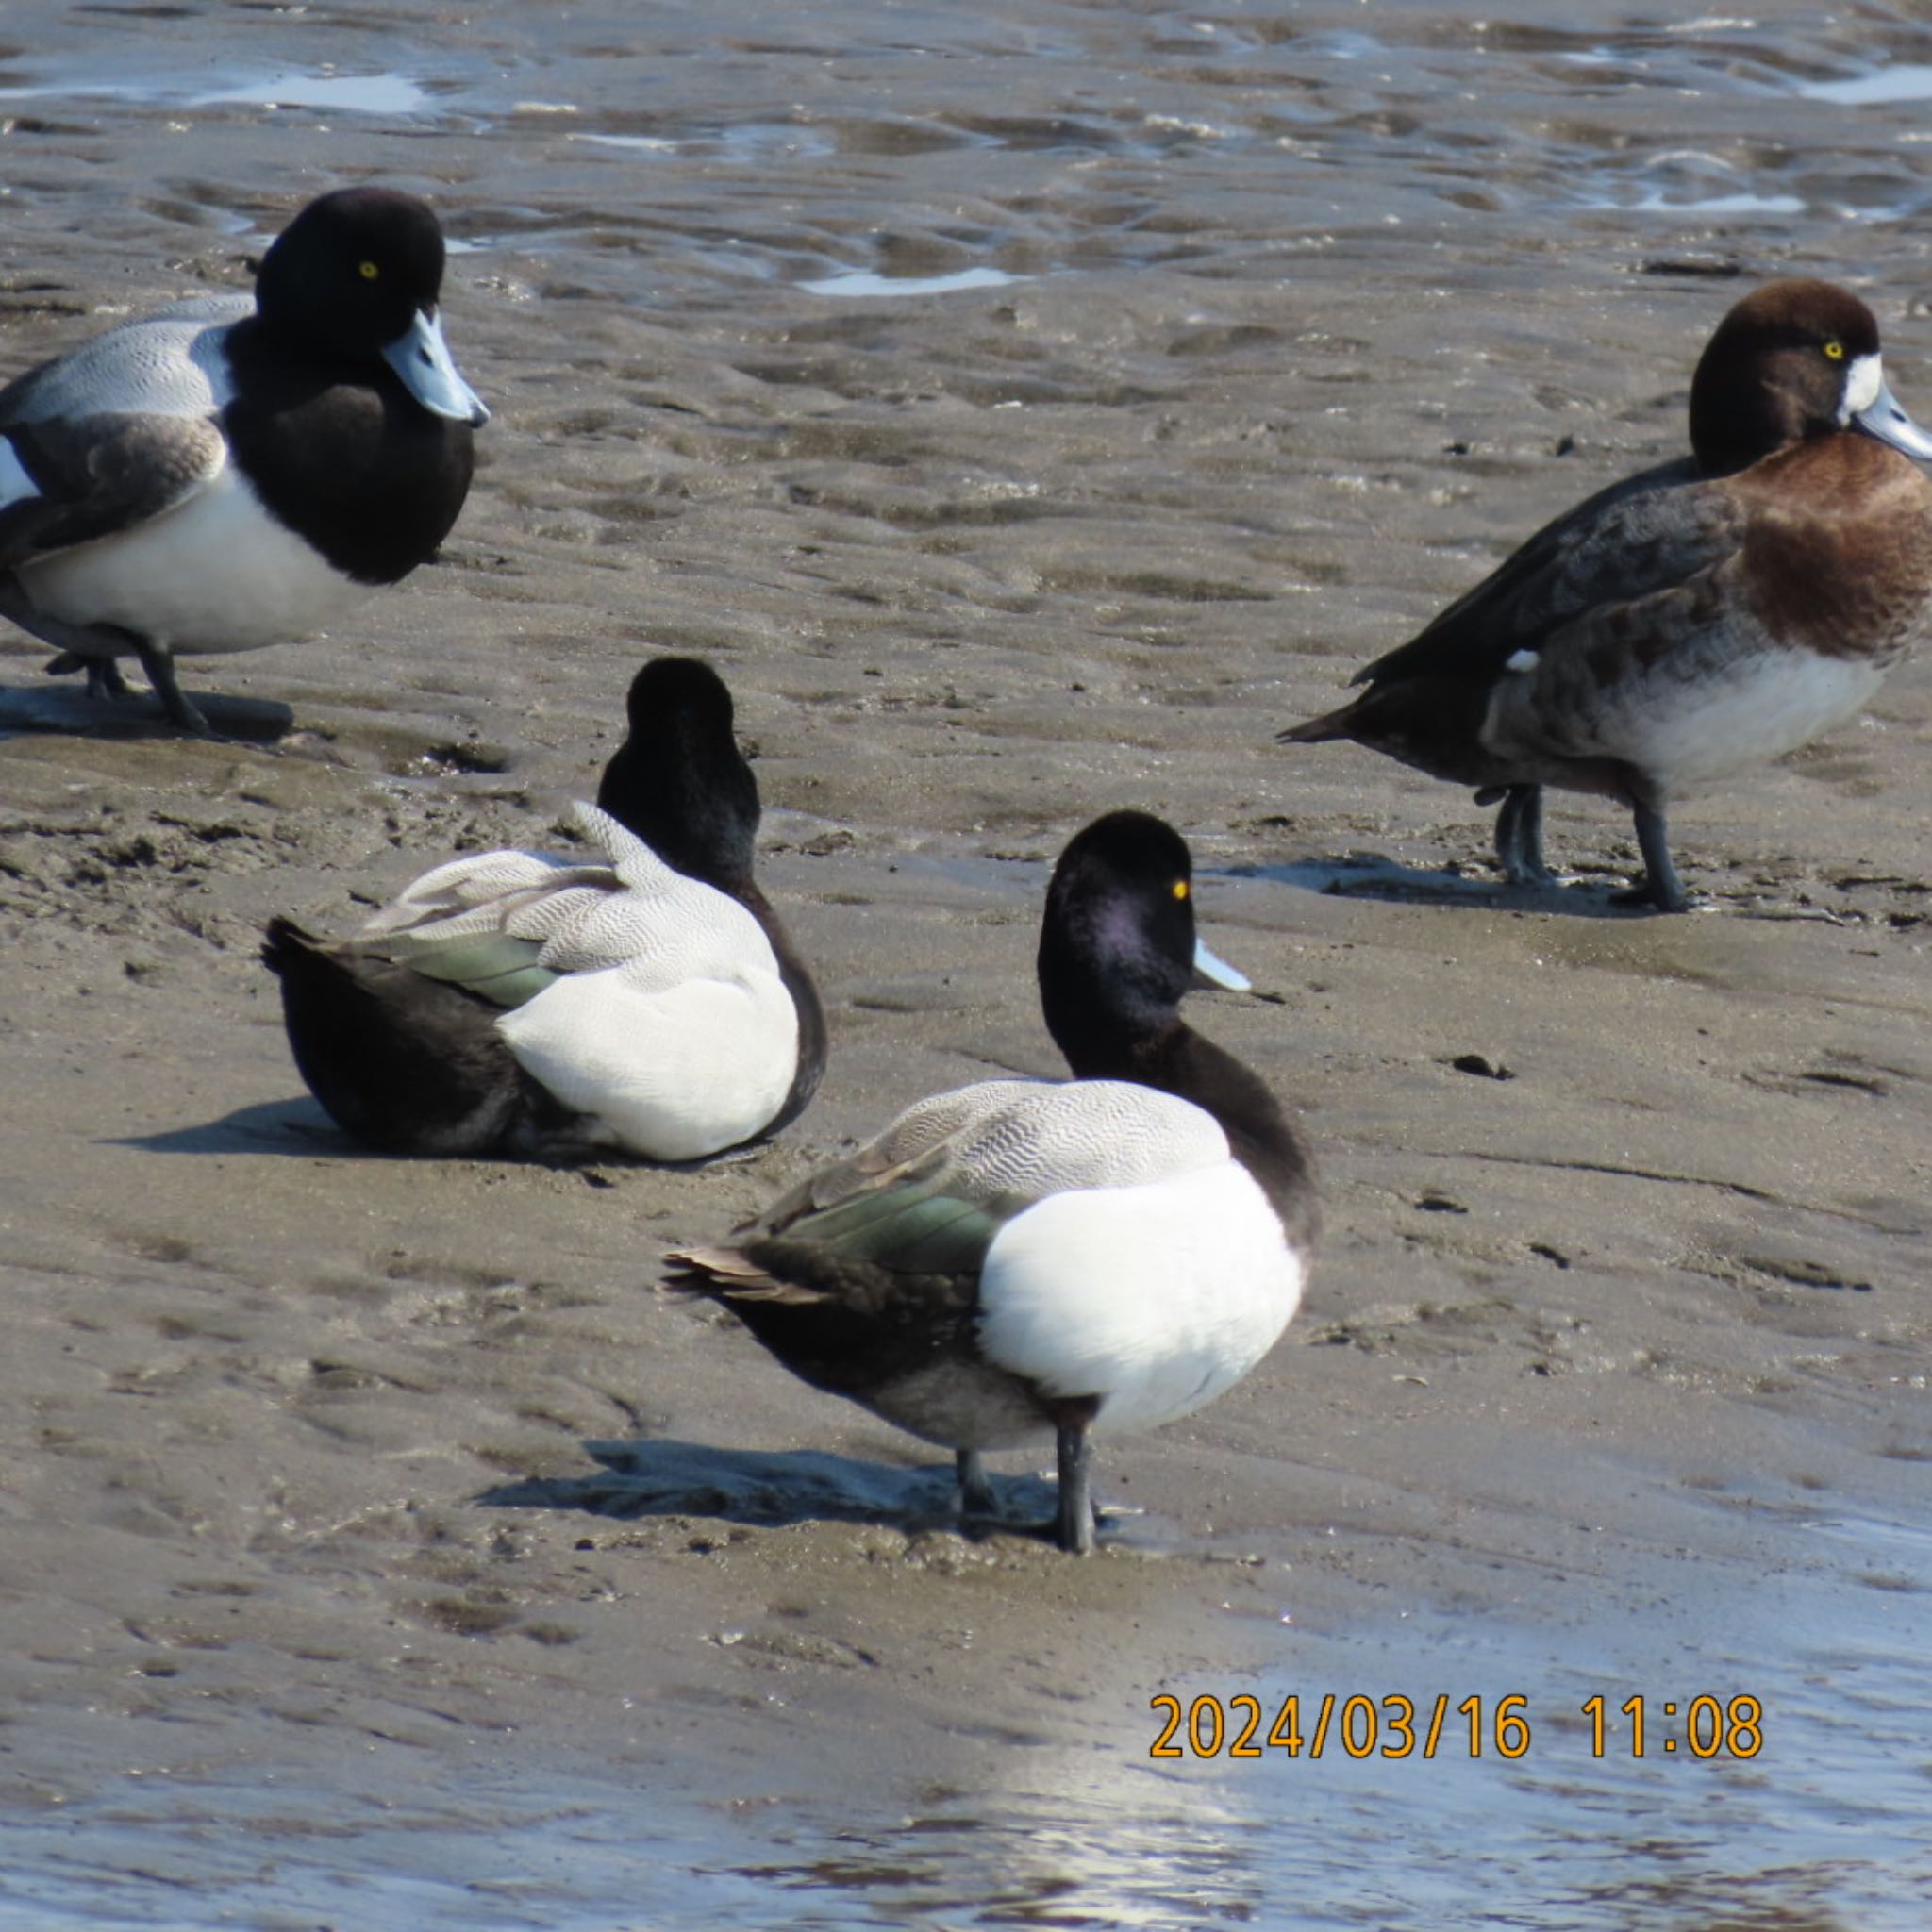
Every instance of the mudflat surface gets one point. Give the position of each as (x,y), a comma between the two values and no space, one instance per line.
(1201,358)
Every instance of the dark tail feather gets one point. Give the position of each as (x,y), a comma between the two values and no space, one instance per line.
(1318,730)
(400,1062)
(284,947)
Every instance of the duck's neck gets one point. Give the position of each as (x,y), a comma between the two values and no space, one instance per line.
(1176,1059)
(708,836)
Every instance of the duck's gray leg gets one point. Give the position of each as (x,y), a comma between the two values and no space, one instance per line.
(94,647)
(1659,886)
(1074,1524)
(104,679)
(1520,837)
(976,1492)
(158,662)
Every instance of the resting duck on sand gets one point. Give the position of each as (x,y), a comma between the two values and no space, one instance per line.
(647,1001)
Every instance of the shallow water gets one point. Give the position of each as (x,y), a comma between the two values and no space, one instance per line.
(1822,1829)
(837,158)
(1811,1819)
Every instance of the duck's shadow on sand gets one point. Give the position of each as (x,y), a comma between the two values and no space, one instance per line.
(1368,875)
(66,707)
(659,1476)
(269,1126)
(300,1127)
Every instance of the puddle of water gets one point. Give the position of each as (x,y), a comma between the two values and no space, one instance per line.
(1879,87)
(361,93)
(863,284)
(633,143)
(1658,202)
(751,140)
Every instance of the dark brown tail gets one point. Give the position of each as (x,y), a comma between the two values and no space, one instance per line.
(400,1062)
(1319,730)
(284,946)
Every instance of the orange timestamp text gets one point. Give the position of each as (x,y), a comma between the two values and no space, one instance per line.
(1396,1726)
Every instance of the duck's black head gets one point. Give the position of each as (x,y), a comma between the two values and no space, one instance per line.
(679,780)
(356,277)
(1793,360)
(1117,953)
(1117,942)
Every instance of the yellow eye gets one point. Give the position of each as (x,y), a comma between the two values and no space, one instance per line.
(1180,889)
(1833,351)
(369,272)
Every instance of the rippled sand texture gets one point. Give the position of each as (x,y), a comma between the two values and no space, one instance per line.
(1029,410)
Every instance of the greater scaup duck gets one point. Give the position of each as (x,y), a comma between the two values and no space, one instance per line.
(1717,610)
(1022,1257)
(519,1002)
(231,473)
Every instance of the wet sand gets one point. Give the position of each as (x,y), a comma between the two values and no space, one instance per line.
(366,1469)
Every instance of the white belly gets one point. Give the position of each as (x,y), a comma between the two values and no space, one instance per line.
(1683,732)
(217,574)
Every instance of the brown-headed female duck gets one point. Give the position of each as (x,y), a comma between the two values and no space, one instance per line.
(1711,614)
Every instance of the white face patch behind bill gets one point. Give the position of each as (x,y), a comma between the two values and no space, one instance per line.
(1864,380)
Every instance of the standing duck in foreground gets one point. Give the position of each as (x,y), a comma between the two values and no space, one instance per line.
(1023,1256)
(1705,615)
(233,472)
(517,1003)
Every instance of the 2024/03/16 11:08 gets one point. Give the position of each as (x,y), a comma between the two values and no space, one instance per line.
(1393,1725)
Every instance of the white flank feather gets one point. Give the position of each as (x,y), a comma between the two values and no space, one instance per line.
(1155,1298)
(675,1071)
(153,578)
(1685,733)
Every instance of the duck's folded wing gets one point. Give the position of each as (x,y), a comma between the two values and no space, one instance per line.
(1641,537)
(925,1130)
(66,482)
(117,432)
(482,923)
(658,940)
(633,995)
(661,928)
(929,1195)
